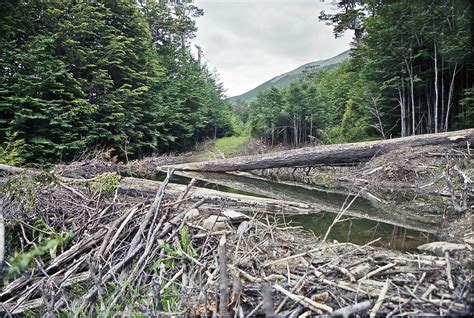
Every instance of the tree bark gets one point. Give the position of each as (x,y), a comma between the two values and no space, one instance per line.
(429,119)
(401,101)
(450,97)
(412,94)
(2,237)
(375,111)
(295,128)
(442,95)
(436,89)
(273,133)
(328,154)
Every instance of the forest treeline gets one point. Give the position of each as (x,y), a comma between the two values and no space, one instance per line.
(83,74)
(411,72)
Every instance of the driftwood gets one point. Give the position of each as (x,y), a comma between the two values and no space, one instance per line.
(353,309)
(223,283)
(329,154)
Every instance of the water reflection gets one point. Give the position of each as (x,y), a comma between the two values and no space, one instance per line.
(180,179)
(361,231)
(398,229)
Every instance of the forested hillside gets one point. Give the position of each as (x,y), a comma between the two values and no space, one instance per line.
(303,72)
(411,72)
(77,75)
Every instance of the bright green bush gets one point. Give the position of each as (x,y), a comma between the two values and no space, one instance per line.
(12,150)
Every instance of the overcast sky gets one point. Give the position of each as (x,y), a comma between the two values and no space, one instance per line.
(250,41)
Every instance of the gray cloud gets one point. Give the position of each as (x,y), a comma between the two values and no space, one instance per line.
(249,42)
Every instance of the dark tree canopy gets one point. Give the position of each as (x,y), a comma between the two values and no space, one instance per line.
(84,74)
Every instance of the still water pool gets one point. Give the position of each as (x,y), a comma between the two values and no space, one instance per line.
(362,231)
(367,224)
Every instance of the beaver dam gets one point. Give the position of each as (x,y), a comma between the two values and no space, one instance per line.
(299,239)
(364,221)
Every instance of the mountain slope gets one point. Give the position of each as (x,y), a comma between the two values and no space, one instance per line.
(285,79)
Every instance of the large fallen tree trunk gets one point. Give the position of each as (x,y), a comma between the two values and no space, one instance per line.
(288,205)
(143,188)
(328,154)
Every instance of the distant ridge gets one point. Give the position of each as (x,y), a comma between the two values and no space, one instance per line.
(285,79)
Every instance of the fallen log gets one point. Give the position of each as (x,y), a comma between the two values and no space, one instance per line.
(328,154)
(142,187)
(288,204)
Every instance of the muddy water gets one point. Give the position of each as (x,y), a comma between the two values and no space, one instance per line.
(363,222)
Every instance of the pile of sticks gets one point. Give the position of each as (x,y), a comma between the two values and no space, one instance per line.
(152,255)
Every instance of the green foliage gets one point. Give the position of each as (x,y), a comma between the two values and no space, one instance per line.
(81,74)
(12,150)
(465,118)
(352,127)
(169,298)
(105,184)
(332,108)
(410,72)
(78,289)
(182,251)
(46,248)
(349,17)
(419,57)
(230,146)
(185,242)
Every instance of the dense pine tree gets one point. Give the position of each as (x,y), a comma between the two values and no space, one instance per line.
(111,73)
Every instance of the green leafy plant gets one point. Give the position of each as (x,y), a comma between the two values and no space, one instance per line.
(46,249)
(185,242)
(105,184)
(183,250)
(12,150)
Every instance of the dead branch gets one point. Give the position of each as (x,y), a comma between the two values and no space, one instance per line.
(223,284)
(353,309)
(2,237)
(462,206)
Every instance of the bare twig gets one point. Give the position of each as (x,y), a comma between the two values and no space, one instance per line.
(448,272)
(353,309)
(267,300)
(378,270)
(380,299)
(153,209)
(223,285)
(2,237)
(462,206)
(305,301)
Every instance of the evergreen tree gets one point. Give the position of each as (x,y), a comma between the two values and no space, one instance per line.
(112,73)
